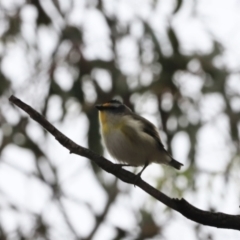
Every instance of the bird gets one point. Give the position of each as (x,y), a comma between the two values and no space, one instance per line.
(131,139)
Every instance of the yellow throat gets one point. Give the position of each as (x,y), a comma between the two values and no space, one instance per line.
(108,123)
(103,120)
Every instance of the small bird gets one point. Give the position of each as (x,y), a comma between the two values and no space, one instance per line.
(131,139)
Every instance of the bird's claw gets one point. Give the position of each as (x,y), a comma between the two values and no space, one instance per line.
(137,178)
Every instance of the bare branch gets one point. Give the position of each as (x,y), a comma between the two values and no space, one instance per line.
(219,220)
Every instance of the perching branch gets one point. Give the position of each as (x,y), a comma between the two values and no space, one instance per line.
(219,220)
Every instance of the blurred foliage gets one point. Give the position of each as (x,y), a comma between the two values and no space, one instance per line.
(157,78)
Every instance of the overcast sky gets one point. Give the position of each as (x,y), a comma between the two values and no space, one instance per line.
(194,24)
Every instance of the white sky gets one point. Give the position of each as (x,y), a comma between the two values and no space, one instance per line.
(220,18)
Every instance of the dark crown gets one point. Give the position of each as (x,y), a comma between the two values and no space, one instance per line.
(114,101)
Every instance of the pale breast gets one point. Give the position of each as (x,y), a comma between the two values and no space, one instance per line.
(126,145)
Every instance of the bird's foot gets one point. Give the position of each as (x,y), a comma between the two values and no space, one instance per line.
(137,178)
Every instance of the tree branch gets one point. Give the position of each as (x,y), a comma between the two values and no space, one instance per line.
(219,220)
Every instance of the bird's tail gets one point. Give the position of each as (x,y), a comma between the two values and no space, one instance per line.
(175,164)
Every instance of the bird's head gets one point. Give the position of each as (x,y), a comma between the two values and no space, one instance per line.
(114,107)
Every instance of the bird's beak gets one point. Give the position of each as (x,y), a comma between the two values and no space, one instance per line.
(99,107)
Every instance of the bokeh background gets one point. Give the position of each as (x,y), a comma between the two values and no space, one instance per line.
(175,62)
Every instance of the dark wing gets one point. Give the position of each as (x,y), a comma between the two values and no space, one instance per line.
(150,129)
